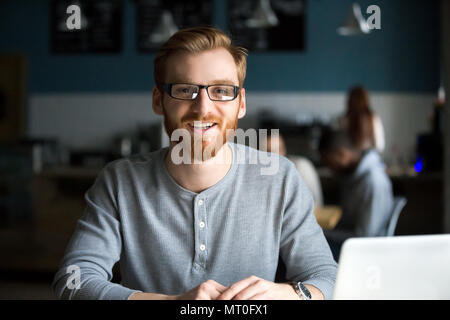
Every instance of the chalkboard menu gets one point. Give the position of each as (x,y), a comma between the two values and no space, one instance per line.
(284,31)
(99,28)
(158,19)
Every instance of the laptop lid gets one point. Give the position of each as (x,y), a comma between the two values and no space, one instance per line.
(401,267)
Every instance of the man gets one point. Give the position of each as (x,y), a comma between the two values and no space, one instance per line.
(206,227)
(365,190)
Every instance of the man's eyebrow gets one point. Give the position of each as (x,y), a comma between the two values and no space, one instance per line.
(223,81)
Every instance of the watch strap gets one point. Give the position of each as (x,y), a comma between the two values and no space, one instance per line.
(301,290)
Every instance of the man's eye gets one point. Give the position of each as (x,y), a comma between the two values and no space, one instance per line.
(223,91)
(185,90)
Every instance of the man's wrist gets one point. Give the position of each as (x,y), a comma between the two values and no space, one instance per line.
(301,290)
(150,296)
(292,295)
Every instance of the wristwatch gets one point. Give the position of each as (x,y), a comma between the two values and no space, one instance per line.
(301,290)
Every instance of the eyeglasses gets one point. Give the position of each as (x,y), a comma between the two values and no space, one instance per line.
(216,92)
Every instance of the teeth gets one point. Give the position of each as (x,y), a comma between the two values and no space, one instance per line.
(202,125)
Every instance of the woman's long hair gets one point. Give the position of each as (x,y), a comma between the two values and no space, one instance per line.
(359,117)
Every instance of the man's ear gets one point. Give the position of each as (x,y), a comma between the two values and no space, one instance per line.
(242,105)
(157,101)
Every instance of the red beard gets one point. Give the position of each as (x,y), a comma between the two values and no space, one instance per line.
(208,149)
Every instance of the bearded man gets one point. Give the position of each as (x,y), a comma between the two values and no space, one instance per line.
(205,227)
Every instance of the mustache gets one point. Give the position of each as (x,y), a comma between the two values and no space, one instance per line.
(202,119)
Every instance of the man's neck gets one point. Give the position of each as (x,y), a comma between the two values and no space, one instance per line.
(201,176)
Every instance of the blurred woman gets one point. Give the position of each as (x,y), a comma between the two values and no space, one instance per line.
(363,125)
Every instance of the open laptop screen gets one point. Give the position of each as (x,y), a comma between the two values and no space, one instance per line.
(401,267)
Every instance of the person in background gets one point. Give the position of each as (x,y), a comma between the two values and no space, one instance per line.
(366,196)
(306,169)
(363,125)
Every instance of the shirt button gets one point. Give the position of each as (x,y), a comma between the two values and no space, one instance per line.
(202,224)
(200,202)
(202,247)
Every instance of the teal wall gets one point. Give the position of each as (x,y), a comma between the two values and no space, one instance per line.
(402,56)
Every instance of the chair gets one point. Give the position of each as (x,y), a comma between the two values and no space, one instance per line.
(399,204)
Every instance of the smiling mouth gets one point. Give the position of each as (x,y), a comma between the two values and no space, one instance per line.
(201,127)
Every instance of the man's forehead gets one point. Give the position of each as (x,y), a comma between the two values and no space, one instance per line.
(215,66)
(183,78)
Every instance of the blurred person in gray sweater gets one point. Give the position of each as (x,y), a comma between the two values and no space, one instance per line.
(366,196)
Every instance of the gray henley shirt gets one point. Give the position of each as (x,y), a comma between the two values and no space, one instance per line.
(168,239)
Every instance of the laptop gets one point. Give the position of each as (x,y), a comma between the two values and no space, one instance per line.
(394,268)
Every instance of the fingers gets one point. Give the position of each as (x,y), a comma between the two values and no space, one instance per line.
(218,286)
(210,290)
(217,289)
(251,288)
(261,296)
(238,287)
(257,288)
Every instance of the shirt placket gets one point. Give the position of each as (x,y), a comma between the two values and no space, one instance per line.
(200,228)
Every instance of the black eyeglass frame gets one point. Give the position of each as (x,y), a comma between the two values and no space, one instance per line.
(168,89)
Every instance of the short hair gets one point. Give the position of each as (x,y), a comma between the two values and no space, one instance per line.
(196,40)
(332,140)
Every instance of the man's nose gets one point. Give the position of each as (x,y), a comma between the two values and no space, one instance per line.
(202,104)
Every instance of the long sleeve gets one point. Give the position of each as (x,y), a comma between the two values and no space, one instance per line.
(94,248)
(304,248)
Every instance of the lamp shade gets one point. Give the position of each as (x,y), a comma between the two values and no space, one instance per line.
(165,28)
(263,16)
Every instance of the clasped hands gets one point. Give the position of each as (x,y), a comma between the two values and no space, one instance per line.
(251,288)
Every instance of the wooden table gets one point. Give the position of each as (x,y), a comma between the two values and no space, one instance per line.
(328,216)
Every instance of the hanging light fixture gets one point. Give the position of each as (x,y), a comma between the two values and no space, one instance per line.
(355,23)
(165,28)
(263,16)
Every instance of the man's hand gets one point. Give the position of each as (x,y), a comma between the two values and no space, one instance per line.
(208,290)
(254,288)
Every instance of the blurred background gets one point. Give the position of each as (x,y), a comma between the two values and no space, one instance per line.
(72,100)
